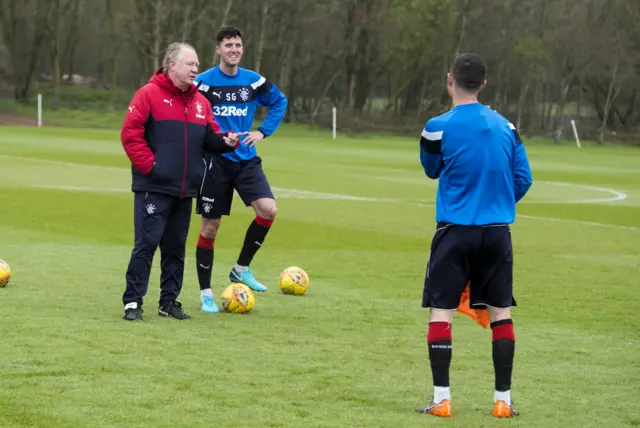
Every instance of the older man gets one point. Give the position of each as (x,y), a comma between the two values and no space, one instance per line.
(167,128)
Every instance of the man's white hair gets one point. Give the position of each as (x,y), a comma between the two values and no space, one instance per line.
(172,54)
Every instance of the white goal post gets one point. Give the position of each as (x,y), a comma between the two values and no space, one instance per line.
(39,110)
(575,133)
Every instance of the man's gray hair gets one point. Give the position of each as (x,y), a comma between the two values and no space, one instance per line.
(173,53)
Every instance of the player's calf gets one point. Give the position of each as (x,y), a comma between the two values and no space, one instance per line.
(257,231)
(204,262)
(440,352)
(503,352)
(439,343)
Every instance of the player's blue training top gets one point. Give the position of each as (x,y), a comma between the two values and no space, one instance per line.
(481,164)
(234,100)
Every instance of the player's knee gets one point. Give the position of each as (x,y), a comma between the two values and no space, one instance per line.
(441,315)
(498,314)
(210,227)
(271,212)
(267,209)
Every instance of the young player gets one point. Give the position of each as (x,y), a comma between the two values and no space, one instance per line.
(483,172)
(234,94)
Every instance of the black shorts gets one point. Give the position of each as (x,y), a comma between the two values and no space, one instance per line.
(481,255)
(222,176)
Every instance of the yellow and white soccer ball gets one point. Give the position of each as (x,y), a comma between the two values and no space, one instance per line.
(238,299)
(294,280)
(5,273)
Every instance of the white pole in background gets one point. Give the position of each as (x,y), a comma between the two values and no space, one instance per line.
(575,133)
(335,120)
(39,110)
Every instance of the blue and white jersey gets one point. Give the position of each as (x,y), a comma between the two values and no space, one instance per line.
(234,100)
(481,163)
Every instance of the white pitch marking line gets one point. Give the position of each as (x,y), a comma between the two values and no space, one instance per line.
(309,194)
(286,193)
(80,188)
(619,195)
(63,163)
(586,223)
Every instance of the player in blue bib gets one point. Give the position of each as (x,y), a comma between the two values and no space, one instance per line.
(234,93)
(483,170)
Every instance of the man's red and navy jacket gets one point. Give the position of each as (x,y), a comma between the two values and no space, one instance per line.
(165,133)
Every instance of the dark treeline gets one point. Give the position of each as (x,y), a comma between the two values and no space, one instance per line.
(382,63)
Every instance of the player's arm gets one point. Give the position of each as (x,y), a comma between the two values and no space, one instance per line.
(132,133)
(215,140)
(270,96)
(523,178)
(431,151)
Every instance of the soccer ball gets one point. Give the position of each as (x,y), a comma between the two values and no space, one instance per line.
(238,299)
(294,280)
(5,273)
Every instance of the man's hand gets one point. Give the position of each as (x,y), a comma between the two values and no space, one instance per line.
(231,139)
(252,138)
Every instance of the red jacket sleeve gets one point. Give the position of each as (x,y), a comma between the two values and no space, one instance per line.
(132,134)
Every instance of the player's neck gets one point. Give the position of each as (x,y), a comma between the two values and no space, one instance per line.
(176,82)
(464,100)
(229,70)
(461,98)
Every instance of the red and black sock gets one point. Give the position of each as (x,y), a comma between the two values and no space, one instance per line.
(439,342)
(504,344)
(256,233)
(204,261)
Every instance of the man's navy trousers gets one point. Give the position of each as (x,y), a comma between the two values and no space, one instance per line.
(163,220)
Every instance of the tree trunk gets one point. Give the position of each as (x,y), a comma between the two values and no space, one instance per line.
(156,55)
(69,51)
(533,108)
(223,21)
(187,22)
(564,90)
(543,106)
(580,96)
(262,35)
(608,100)
(523,93)
(320,101)
(464,6)
(56,15)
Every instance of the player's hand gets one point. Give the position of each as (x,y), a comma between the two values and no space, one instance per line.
(252,138)
(231,139)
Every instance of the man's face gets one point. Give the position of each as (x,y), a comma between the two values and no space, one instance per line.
(230,51)
(185,69)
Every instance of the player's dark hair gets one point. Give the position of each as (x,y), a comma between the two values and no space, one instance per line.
(469,71)
(227,33)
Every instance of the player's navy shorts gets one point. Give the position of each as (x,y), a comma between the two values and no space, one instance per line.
(222,176)
(479,255)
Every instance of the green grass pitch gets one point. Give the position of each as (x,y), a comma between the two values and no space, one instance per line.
(358,215)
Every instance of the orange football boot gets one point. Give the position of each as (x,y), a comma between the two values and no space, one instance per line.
(502,410)
(441,409)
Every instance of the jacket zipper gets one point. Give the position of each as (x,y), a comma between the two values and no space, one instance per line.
(186,146)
